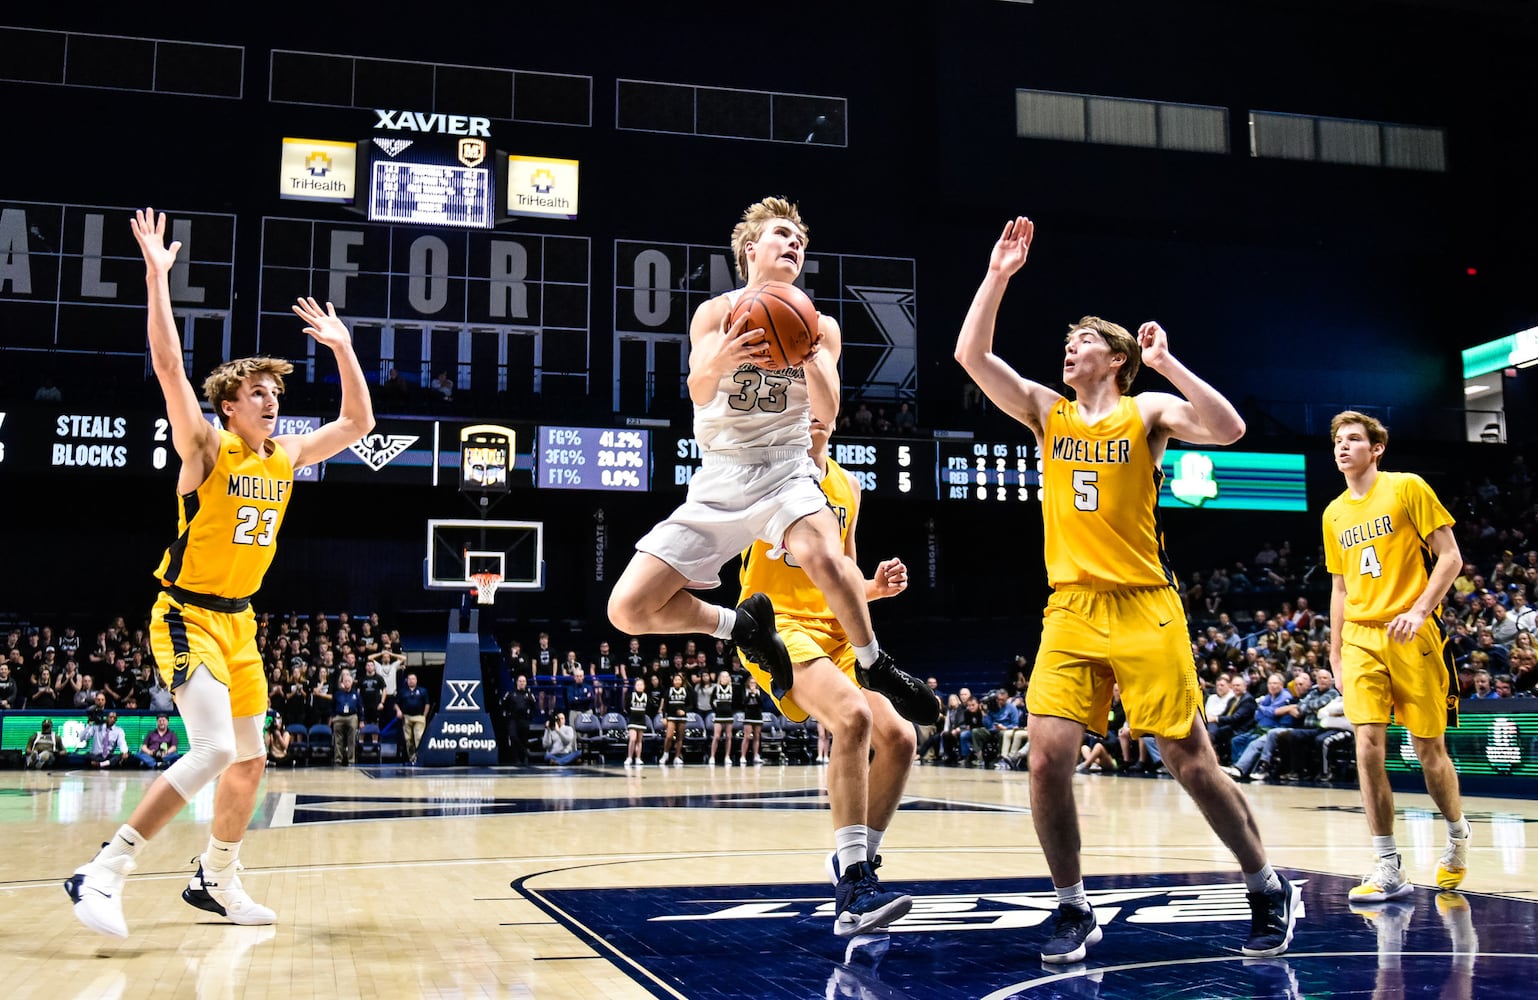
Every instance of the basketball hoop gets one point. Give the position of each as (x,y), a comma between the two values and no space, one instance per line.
(486,587)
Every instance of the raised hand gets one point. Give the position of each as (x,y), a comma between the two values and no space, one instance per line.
(150,232)
(1013,247)
(322,324)
(1155,344)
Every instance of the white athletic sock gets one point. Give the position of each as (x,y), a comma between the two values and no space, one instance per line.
(1459,829)
(127,841)
(873,842)
(1385,846)
(1073,895)
(726,620)
(220,854)
(849,842)
(1265,880)
(868,653)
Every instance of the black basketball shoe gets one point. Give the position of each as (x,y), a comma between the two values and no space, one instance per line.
(755,634)
(909,695)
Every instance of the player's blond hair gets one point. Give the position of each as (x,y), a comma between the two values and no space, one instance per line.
(224,382)
(1121,342)
(1376,432)
(754,218)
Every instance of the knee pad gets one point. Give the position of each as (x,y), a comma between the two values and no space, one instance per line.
(249,743)
(210,755)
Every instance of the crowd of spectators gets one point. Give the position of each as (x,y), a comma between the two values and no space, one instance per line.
(323,669)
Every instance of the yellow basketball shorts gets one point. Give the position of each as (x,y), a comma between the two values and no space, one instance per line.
(807,639)
(1136,638)
(184,637)
(1411,679)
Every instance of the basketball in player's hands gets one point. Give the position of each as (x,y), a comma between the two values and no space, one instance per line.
(786,315)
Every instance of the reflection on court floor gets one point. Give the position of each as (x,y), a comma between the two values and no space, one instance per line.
(972,939)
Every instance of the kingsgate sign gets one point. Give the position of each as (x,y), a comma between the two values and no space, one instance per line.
(416,121)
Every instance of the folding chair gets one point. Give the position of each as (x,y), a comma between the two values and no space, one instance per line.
(322,743)
(369,744)
(298,744)
(589,737)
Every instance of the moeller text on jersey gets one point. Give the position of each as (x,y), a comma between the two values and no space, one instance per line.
(1117,451)
(1359,533)
(258,488)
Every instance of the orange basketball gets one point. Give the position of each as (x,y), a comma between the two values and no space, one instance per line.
(786,315)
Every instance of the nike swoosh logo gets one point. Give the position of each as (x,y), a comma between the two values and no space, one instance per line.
(1162,624)
(108,895)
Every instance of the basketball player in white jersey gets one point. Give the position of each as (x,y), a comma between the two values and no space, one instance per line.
(757,482)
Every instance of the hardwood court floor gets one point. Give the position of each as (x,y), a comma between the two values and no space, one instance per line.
(708,882)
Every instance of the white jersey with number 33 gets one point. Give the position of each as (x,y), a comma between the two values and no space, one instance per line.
(754,408)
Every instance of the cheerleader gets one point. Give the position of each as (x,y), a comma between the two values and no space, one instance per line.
(636,726)
(752,722)
(725,706)
(677,700)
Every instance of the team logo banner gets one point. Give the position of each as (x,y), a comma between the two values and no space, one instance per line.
(318,170)
(541,186)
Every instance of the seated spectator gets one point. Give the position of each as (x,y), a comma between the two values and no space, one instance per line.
(1221,698)
(1273,709)
(1524,671)
(106,746)
(933,748)
(1104,753)
(972,723)
(1238,719)
(579,691)
(1483,689)
(1506,689)
(1500,656)
(559,741)
(1292,752)
(277,741)
(159,749)
(1006,731)
(44,747)
(10,693)
(1503,627)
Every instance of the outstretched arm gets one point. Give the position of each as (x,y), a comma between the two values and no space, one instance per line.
(1204,416)
(357,416)
(196,443)
(1026,401)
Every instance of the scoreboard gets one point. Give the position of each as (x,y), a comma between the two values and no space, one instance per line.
(593,458)
(431,194)
(885,467)
(427,451)
(102,444)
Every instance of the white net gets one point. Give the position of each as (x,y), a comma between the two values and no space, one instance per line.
(486,586)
